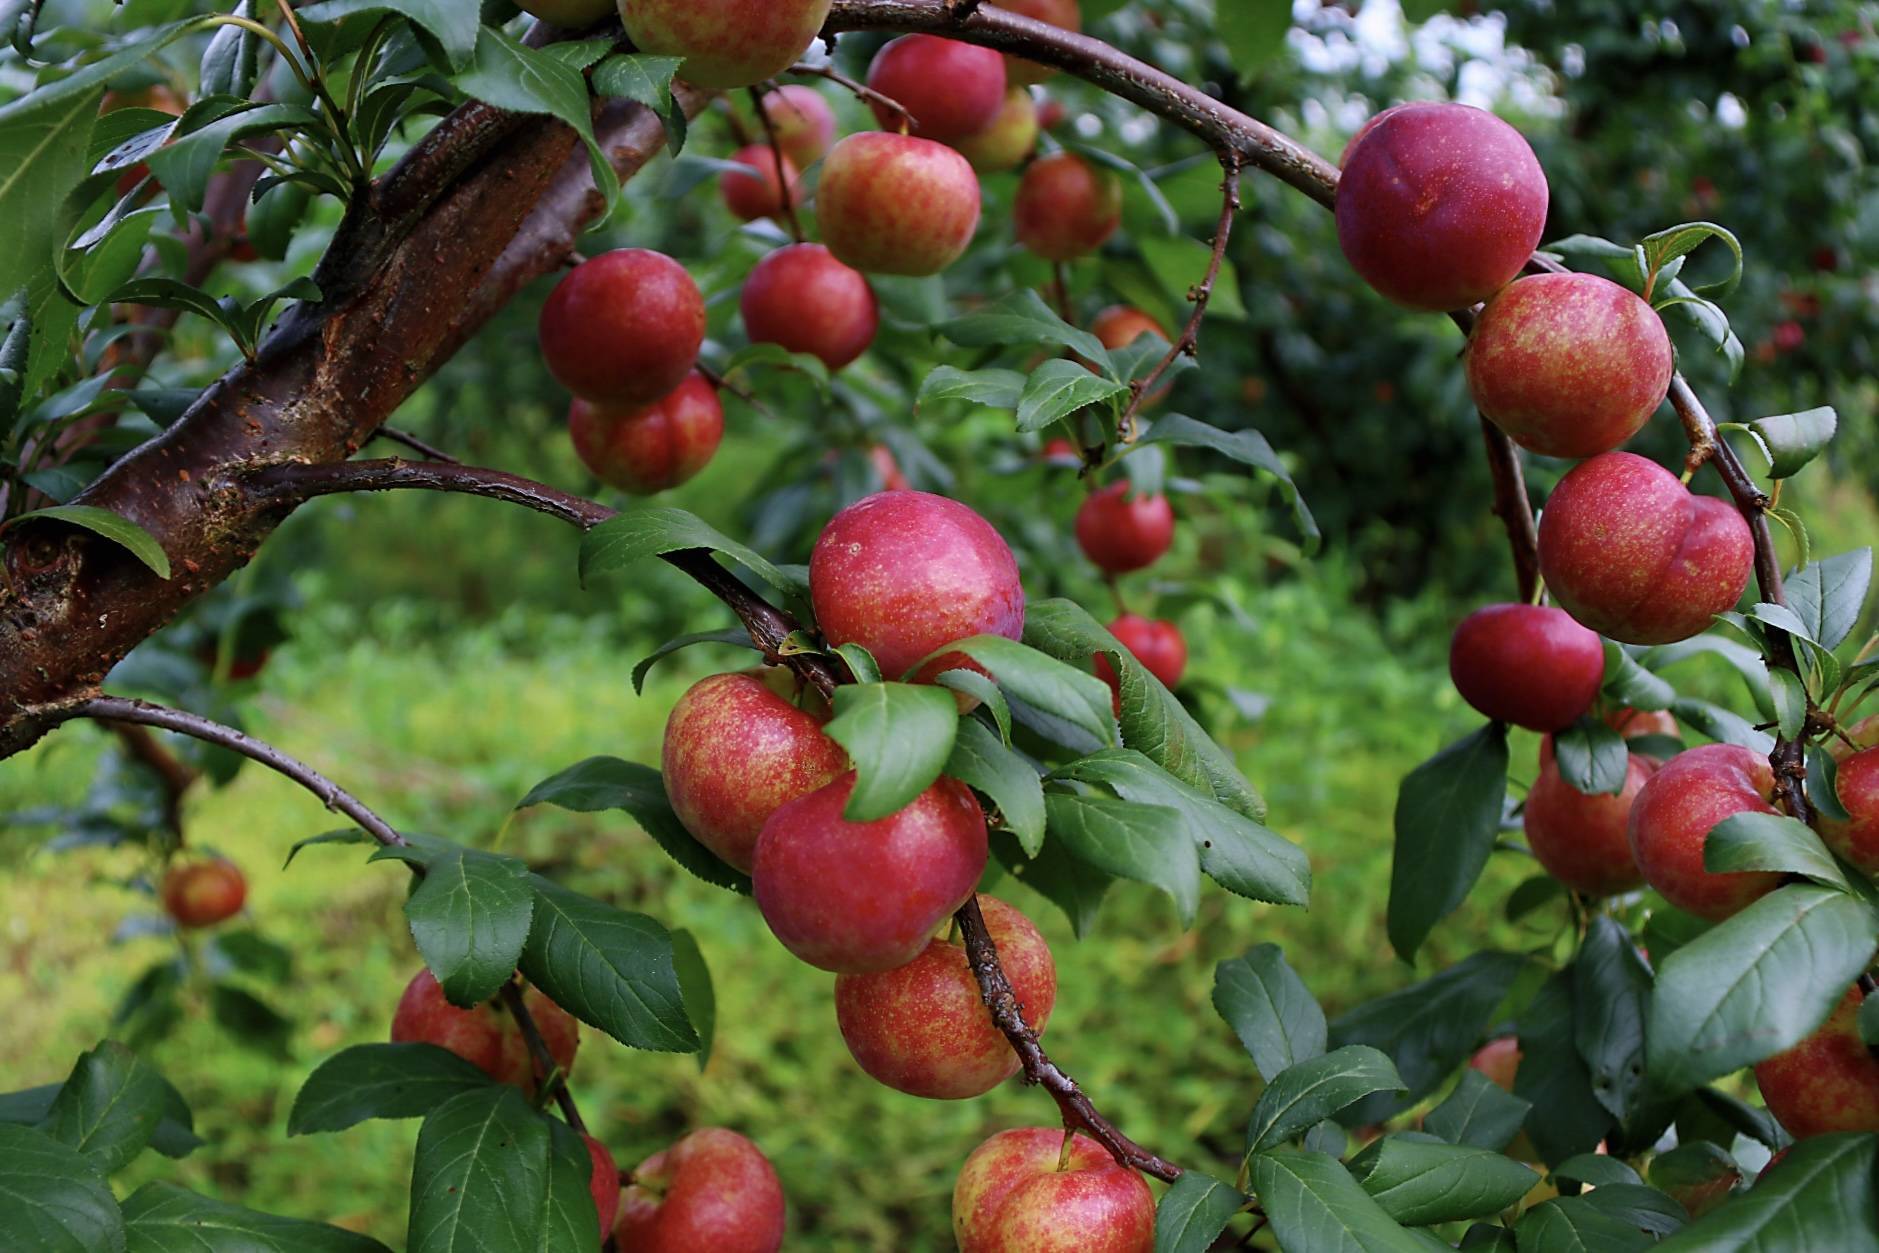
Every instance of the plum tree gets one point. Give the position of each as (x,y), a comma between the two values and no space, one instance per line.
(1633,554)
(950,89)
(896,204)
(648,449)
(203,893)
(1011,137)
(714,1189)
(802,298)
(1530,665)
(1033,1189)
(725,43)
(735,751)
(1440,205)
(1569,365)
(623,328)
(1066,207)
(1673,814)
(860,897)
(763,192)
(1829,1081)
(1121,531)
(923,1028)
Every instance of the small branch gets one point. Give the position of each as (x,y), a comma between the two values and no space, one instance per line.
(1189,341)
(786,188)
(116,709)
(1697,426)
(172,772)
(862,91)
(1513,507)
(1060,291)
(1079,1114)
(548,1070)
(723,384)
(415,444)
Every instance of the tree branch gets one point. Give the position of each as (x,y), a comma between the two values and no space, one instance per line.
(860,90)
(397,436)
(173,774)
(548,1069)
(1513,507)
(116,709)
(783,179)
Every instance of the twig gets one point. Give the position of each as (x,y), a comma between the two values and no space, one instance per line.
(861,91)
(1513,508)
(1079,1114)
(115,709)
(397,436)
(512,1001)
(786,188)
(723,384)
(1060,291)
(175,775)
(1188,342)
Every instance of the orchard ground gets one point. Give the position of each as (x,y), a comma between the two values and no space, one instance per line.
(446,718)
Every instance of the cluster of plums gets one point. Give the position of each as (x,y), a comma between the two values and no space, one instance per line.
(1439,208)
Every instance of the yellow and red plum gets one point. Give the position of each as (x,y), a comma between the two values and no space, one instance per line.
(1530,665)
(1672,817)
(654,447)
(923,1029)
(604,1183)
(1583,841)
(725,43)
(1632,553)
(952,89)
(762,192)
(1013,1196)
(1122,532)
(1066,208)
(1829,1081)
(623,328)
(896,204)
(1010,138)
(859,897)
(804,299)
(203,893)
(712,1190)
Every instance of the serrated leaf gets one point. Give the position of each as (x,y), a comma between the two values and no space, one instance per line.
(1044,682)
(609,968)
(1830,595)
(109,1106)
(1448,815)
(470,917)
(1193,1212)
(43,143)
(1308,1092)
(1593,758)
(1070,883)
(510,75)
(480,1179)
(602,783)
(983,762)
(1757,841)
(1821,1197)
(112,526)
(380,1081)
(1418,1183)
(1246,447)
(1791,440)
(1629,683)
(351,835)
(899,736)
(646,78)
(1666,246)
(1722,724)
(569,1218)
(1021,319)
(998,389)
(184,164)
(1314,1204)
(1059,388)
(1478,1113)
(452,24)
(1146,843)
(163,1218)
(701,1000)
(1268,1006)
(56,1200)
(651,532)
(1755,984)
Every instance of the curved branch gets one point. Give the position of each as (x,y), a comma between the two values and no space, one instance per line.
(117,709)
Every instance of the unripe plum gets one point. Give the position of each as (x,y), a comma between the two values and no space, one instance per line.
(1672,817)
(896,204)
(735,751)
(713,1190)
(1439,205)
(1530,665)
(923,1028)
(1010,138)
(647,450)
(1121,532)
(760,193)
(1013,1196)
(952,89)
(725,43)
(856,897)
(1065,13)
(1581,840)
(203,893)
(623,328)
(1829,1081)
(804,299)
(1633,554)
(1569,365)
(803,122)
(905,573)
(1066,207)
(1155,642)
(604,1183)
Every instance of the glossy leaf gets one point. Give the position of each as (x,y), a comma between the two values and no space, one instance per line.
(1247,447)
(652,531)
(1314,1204)
(109,1106)
(701,999)
(1147,843)
(1193,1212)
(163,1218)
(1757,841)
(899,736)
(380,1081)
(1567,1115)
(1418,1183)
(1044,682)
(453,25)
(470,917)
(1021,319)
(1611,993)
(1448,814)
(112,526)
(982,762)
(1592,758)
(1059,388)
(1268,1006)
(1794,439)
(55,1198)
(1430,1028)
(1066,881)
(1478,1113)
(1829,595)
(1821,1197)
(1305,1094)
(609,968)
(480,1179)
(1572,1224)
(992,387)
(602,783)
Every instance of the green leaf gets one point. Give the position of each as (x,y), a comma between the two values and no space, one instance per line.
(701,1000)
(736,637)
(44,137)
(1418,1183)
(1755,984)
(1567,1115)
(1059,388)
(163,1218)
(981,761)
(184,164)
(1268,1006)
(995,388)
(1791,440)
(1241,855)
(1043,682)
(1179,261)
(569,1219)
(1253,32)
(453,24)
(1821,1197)
(1305,1094)
(109,1106)
(231,58)
(1592,757)
(1631,684)
(1069,883)
(1430,1027)
(899,736)
(646,78)
(480,1180)
(1790,697)
(350,835)
(651,532)
(1666,246)
(53,1199)
(1314,1204)
(250,1019)
(1756,841)
(772,356)
(1146,843)
(1708,318)
(609,968)
(1448,814)
(1572,1224)
(1478,1113)
(112,526)
(380,1081)
(1829,595)
(470,917)
(602,783)
(975,685)
(1246,447)
(1611,993)
(1193,1212)
(1021,319)
(1722,724)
